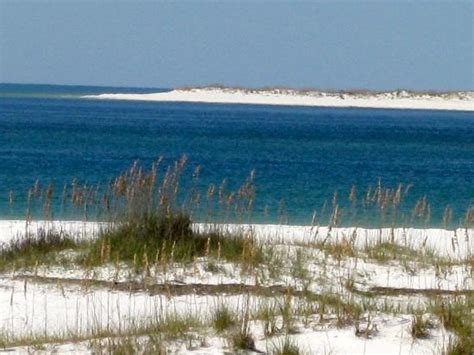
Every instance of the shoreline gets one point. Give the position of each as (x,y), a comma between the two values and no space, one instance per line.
(460,101)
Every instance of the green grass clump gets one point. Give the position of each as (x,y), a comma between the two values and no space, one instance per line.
(117,346)
(456,314)
(385,251)
(152,235)
(175,325)
(420,327)
(243,340)
(32,249)
(151,223)
(167,238)
(268,314)
(223,319)
(287,347)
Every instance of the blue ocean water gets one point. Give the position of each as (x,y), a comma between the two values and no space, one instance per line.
(301,155)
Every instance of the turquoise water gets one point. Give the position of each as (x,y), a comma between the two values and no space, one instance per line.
(300,154)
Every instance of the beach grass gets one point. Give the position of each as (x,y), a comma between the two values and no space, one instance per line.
(41,247)
(148,235)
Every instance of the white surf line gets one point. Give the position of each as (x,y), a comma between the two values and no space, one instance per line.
(461,101)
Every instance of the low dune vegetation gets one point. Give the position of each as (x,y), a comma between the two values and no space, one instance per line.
(157,264)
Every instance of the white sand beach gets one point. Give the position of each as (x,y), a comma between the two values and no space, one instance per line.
(456,101)
(453,244)
(32,305)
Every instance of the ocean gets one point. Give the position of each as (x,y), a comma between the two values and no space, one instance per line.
(301,155)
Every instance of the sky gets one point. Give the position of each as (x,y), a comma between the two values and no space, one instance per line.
(336,45)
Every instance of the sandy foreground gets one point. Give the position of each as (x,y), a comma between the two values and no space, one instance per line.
(459,101)
(29,306)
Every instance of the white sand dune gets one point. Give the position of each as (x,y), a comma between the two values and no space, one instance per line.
(460,101)
(31,307)
(453,244)
(54,310)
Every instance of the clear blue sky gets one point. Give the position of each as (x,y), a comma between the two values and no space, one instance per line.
(421,45)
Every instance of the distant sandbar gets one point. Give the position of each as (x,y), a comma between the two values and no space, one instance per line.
(400,99)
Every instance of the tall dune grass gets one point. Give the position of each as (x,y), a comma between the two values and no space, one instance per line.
(148,220)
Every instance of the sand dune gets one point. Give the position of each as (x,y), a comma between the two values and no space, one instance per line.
(461,101)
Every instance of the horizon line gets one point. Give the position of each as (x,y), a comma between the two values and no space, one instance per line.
(239,87)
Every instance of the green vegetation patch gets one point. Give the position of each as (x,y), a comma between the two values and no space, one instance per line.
(33,249)
(170,238)
(457,315)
